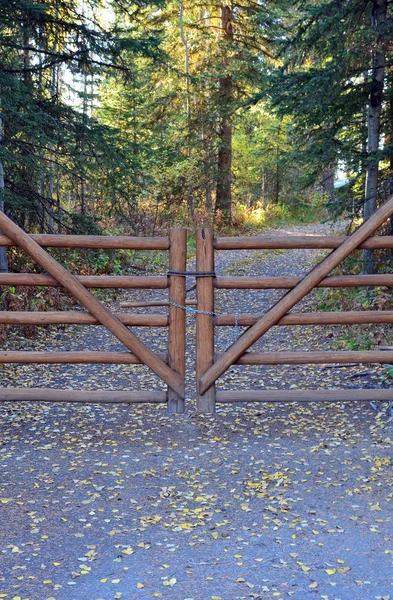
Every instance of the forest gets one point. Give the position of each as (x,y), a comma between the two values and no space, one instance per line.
(125,117)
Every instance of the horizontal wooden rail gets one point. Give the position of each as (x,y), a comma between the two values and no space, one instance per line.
(78,318)
(269,283)
(317,318)
(283,242)
(92,305)
(358,395)
(314,358)
(95,397)
(98,242)
(73,358)
(153,303)
(89,281)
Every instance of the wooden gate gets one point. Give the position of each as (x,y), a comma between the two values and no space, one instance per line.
(169,367)
(210,367)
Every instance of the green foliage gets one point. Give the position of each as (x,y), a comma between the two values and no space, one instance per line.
(358,337)
(324,86)
(104,127)
(263,216)
(59,160)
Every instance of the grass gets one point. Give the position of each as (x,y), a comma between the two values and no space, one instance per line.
(358,337)
(264,216)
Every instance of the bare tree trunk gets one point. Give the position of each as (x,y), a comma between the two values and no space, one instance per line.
(328,181)
(92,195)
(41,187)
(53,93)
(3,250)
(278,182)
(84,125)
(190,190)
(379,11)
(389,142)
(224,162)
(83,181)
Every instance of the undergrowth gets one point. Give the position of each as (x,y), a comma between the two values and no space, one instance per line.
(80,262)
(246,220)
(263,216)
(359,337)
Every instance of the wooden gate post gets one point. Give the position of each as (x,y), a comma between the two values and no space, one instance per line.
(177,316)
(206,403)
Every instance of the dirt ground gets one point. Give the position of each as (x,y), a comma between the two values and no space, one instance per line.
(259,501)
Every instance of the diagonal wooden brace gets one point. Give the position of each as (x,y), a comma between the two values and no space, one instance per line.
(102,314)
(288,301)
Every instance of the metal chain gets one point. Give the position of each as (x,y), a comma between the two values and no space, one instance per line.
(191,310)
(195,311)
(191,273)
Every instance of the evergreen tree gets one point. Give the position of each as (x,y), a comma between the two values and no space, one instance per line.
(331,83)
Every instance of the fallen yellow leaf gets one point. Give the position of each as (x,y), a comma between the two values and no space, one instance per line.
(306,569)
(343,570)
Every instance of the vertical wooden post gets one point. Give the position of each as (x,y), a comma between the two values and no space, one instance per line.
(177,316)
(206,403)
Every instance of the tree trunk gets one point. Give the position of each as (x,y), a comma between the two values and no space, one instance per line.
(328,181)
(389,142)
(190,187)
(53,93)
(225,96)
(3,250)
(83,170)
(277,183)
(379,10)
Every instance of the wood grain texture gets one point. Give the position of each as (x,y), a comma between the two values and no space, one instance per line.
(95,397)
(88,281)
(278,242)
(288,301)
(313,358)
(305,395)
(98,310)
(318,318)
(206,401)
(153,303)
(100,242)
(78,318)
(274,283)
(177,316)
(73,358)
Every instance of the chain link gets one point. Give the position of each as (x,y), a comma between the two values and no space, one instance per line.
(191,310)
(236,331)
(196,311)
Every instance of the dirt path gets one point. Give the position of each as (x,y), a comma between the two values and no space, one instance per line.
(263,501)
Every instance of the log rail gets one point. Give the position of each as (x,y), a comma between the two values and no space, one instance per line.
(279,314)
(292,242)
(169,366)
